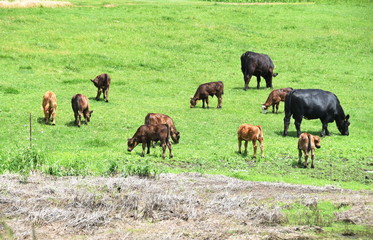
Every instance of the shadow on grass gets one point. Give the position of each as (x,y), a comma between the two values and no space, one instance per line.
(71,124)
(294,133)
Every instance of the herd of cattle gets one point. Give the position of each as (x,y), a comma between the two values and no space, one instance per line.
(299,103)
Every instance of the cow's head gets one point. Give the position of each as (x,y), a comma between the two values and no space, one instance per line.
(131,143)
(95,81)
(193,102)
(264,109)
(343,126)
(175,135)
(316,140)
(87,115)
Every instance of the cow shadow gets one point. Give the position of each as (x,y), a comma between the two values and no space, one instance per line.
(41,120)
(70,124)
(251,88)
(294,133)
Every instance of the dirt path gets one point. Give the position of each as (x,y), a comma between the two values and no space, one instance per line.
(183,206)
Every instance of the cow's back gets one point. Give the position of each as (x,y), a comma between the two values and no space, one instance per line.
(257,62)
(79,102)
(248,132)
(49,100)
(158,118)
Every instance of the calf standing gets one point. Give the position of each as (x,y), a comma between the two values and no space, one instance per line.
(307,143)
(247,132)
(147,133)
(102,82)
(208,89)
(274,98)
(158,118)
(80,105)
(49,106)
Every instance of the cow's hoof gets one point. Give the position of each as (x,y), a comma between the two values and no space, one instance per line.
(312,166)
(53,124)
(171,156)
(106,100)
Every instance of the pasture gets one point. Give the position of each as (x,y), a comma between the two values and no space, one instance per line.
(157,54)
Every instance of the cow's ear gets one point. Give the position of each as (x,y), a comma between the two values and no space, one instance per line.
(92,80)
(347,117)
(91,112)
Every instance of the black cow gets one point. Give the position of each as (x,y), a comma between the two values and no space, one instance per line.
(257,64)
(313,104)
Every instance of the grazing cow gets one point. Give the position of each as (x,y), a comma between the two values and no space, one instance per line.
(80,105)
(258,65)
(307,143)
(102,82)
(147,133)
(314,104)
(247,132)
(208,89)
(274,98)
(158,118)
(49,107)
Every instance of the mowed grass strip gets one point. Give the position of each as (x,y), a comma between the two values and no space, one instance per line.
(157,54)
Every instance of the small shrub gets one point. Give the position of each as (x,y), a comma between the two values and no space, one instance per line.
(142,170)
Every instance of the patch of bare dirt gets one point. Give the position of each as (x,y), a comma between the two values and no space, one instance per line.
(173,206)
(33,3)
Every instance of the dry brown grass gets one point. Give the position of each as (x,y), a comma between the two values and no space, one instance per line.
(183,206)
(33,4)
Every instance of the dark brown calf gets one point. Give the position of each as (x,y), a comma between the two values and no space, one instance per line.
(49,106)
(147,133)
(274,98)
(208,89)
(80,105)
(307,143)
(102,82)
(158,118)
(247,132)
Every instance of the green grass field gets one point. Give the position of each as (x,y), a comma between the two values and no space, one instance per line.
(157,53)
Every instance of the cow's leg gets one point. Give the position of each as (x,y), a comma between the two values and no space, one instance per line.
(207,102)
(148,146)
(220,101)
(239,145)
(312,157)
(169,145)
(273,108)
(277,106)
(305,159)
(299,156)
(143,149)
(324,129)
(98,94)
(106,94)
(255,146)
(46,117)
(261,146)
(269,81)
(203,103)
(54,118)
(286,124)
(246,142)
(258,82)
(163,149)
(78,118)
(297,125)
(247,79)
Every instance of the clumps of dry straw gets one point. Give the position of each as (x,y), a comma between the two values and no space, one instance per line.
(33,4)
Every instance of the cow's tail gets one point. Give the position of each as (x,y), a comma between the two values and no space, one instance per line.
(147,119)
(260,135)
(309,142)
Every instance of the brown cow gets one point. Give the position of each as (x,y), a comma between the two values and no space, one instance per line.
(80,105)
(307,143)
(102,82)
(206,89)
(158,118)
(49,106)
(247,132)
(147,133)
(274,98)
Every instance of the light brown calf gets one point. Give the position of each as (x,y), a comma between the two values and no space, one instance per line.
(247,132)
(307,143)
(49,107)
(274,99)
